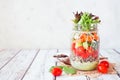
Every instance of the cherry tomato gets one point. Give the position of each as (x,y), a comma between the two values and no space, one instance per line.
(80,50)
(105,63)
(102,69)
(56,71)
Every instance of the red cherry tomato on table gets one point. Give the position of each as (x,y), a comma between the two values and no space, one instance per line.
(102,69)
(56,71)
(105,63)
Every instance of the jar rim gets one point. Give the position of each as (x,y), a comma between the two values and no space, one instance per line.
(85,31)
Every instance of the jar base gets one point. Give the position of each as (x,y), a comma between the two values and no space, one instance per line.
(86,66)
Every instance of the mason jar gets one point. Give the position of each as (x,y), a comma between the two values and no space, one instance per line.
(85,49)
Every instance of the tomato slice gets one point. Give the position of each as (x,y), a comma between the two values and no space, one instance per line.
(80,50)
(90,50)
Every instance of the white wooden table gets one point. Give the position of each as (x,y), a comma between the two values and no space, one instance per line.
(34,64)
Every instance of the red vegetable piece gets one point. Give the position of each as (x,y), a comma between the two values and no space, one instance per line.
(56,71)
(102,69)
(105,63)
(80,51)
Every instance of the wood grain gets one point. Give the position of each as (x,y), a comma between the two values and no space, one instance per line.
(113,57)
(16,68)
(66,77)
(32,64)
(7,55)
(40,67)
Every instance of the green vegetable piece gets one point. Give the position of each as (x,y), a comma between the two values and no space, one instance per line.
(78,44)
(69,70)
(85,45)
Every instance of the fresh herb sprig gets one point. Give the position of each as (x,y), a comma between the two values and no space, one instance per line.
(85,21)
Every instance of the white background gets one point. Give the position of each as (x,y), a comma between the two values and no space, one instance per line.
(47,24)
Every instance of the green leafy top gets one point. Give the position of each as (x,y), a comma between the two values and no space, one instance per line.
(85,21)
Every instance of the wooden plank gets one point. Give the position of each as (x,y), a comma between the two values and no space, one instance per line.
(113,57)
(102,77)
(107,77)
(50,61)
(7,55)
(40,67)
(117,66)
(16,68)
(36,71)
(117,50)
(66,77)
(71,78)
(30,64)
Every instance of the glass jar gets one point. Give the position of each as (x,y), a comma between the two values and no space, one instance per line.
(85,49)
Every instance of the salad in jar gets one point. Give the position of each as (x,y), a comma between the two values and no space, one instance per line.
(85,41)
